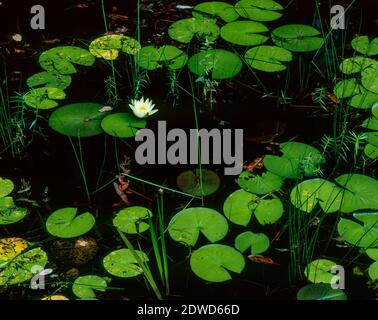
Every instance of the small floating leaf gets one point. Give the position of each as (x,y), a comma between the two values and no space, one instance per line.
(320,291)
(122,125)
(256,242)
(219,63)
(6,187)
(259,184)
(244,33)
(65,223)
(239,205)
(363,45)
(43,98)
(260,10)
(268,58)
(151,58)
(78,119)
(133,219)
(223,10)
(50,79)
(186,225)
(190,182)
(108,47)
(11,248)
(319,271)
(84,287)
(122,263)
(213,262)
(347,88)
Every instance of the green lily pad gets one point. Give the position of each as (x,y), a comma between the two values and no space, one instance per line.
(190,182)
(319,271)
(369,78)
(347,88)
(297,38)
(256,242)
(259,184)
(364,100)
(185,30)
(109,46)
(239,206)
(269,211)
(372,253)
(219,63)
(50,79)
(122,263)
(6,187)
(372,138)
(363,45)
(363,233)
(84,287)
(9,212)
(20,268)
(10,248)
(223,10)
(268,58)
(259,10)
(373,271)
(132,219)
(213,262)
(65,223)
(244,33)
(186,225)
(62,59)
(320,291)
(78,119)
(122,125)
(355,64)
(44,98)
(151,58)
(371,151)
(298,159)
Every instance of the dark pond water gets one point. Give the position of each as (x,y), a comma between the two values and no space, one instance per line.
(49,160)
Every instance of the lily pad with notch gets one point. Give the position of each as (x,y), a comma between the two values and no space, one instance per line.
(244,33)
(9,212)
(186,226)
(320,291)
(214,262)
(78,119)
(122,263)
(109,46)
(217,63)
(347,88)
(6,187)
(257,243)
(151,58)
(212,9)
(259,10)
(190,182)
(65,223)
(363,45)
(319,271)
(259,184)
(44,98)
(62,59)
(133,219)
(297,37)
(85,287)
(268,58)
(122,125)
(50,79)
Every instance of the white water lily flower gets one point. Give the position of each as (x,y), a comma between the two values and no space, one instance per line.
(142,108)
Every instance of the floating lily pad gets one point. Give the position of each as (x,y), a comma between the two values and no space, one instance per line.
(151,58)
(84,287)
(244,33)
(65,223)
(109,46)
(215,261)
(259,184)
(347,88)
(320,291)
(369,78)
(239,206)
(268,58)
(256,242)
(364,100)
(355,64)
(218,63)
(20,268)
(373,271)
(11,248)
(50,79)
(133,219)
(9,212)
(298,159)
(78,119)
(363,45)
(185,30)
(363,233)
(44,98)
(372,122)
(190,182)
(372,253)
(269,211)
(372,138)
(297,37)
(223,10)
(186,225)
(259,10)
(319,271)
(122,125)
(122,263)
(62,59)
(6,187)
(371,151)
